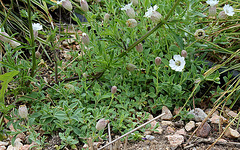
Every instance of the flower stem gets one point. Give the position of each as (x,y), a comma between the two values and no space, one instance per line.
(151,31)
(32,44)
(111,101)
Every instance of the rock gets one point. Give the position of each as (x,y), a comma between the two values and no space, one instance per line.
(231,133)
(150,117)
(3,143)
(153,124)
(198,124)
(207,111)
(175,140)
(159,130)
(168,115)
(232,114)
(199,114)
(85,146)
(167,123)
(190,125)
(176,110)
(181,132)
(217,119)
(204,130)
(17,145)
(65,43)
(150,137)
(170,130)
(148,132)
(179,123)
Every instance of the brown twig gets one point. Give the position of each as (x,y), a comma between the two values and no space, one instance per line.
(109,134)
(132,131)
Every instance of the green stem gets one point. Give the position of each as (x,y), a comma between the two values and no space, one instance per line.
(111,101)
(156,68)
(32,44)
(230,52)
(151,31)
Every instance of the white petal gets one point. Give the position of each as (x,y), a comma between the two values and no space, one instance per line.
(176,57)
(155,7)
(126,7)
(212,2)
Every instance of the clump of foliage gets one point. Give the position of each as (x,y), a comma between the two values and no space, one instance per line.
(153,53)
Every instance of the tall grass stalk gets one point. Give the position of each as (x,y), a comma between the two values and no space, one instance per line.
(32,44)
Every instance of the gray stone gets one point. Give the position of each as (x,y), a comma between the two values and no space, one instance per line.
(199,114)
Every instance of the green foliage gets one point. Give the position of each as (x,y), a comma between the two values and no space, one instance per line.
(72,109)
(5,79)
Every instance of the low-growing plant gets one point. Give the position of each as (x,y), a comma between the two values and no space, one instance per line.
(131,58)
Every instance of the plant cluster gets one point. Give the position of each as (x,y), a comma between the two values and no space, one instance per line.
(135,57)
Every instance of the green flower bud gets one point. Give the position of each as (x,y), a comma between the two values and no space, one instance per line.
(131,67)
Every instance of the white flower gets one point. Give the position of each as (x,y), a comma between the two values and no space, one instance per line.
(37,26)
(60,2)
(178,63)
(128,6)
(212,2)
(228,10)
(150,11)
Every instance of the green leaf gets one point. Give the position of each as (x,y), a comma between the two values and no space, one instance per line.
(61,115)
(152,95)
(6,78)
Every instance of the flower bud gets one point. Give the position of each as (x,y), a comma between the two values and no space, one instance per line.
(113,89)
(212,10)
(130,12)
(222,15)
(85,39)
(134,2)
(131,23)
(158,61)
(67,5)
(22,111)
(101,124)
(106,17)
(131,67)
(37,54)
(139,47)
(84,5)
(184,53)
(156,16)
(199,34)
